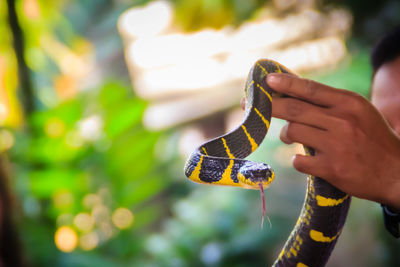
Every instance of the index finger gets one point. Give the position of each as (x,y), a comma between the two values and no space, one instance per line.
(305,89)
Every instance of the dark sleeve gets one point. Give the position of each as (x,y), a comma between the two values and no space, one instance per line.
(391,220)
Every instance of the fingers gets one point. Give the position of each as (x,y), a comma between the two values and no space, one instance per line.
(305,89)
(318,166)
(306,135)
(309,164)
(295,110)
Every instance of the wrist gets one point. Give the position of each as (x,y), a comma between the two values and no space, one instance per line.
(392,188)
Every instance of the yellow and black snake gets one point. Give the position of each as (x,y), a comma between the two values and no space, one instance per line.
(221,162)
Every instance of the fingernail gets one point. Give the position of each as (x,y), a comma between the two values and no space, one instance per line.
(273,79)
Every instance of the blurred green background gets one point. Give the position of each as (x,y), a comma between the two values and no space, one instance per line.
(93,187)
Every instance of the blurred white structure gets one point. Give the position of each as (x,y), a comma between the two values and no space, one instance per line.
(187,76)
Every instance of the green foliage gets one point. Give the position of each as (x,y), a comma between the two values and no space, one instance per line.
(60,166)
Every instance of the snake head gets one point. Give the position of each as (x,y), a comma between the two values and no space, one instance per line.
(252,174)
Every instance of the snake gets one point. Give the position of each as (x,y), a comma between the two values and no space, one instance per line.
(221,161)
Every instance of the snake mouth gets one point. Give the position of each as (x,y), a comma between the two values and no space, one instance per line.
(255,177)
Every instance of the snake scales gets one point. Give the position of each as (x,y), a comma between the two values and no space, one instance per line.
(221,162)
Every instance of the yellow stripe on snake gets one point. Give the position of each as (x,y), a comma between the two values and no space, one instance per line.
(221,162)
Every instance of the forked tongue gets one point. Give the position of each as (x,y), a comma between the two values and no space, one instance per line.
(264,212)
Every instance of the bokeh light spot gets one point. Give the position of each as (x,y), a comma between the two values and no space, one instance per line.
(84,222)
(122,218)
(3,112)
(74,140)
(6,140)
(54,127)
(211,254)
(100,213)
(31,9)
(89,241)
(66,86)
(157,244)
(91,200)
(106,230)
(66,239)
(63,199)
(91,128)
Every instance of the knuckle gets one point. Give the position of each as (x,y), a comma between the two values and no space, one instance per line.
(358,103)
(354,102)
(348,124)
(294,108)
(349,128)
(311,87)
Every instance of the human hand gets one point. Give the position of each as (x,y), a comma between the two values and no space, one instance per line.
(355,148)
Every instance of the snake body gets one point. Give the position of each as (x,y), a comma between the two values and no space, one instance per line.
(221,162)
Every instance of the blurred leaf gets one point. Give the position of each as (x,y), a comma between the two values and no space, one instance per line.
(44,183)
(137,192)
(132,152)
(144,217)
(111,94)
(69,112)
(52,151)
(123,117)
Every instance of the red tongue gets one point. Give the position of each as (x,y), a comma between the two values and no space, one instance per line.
(263,201)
